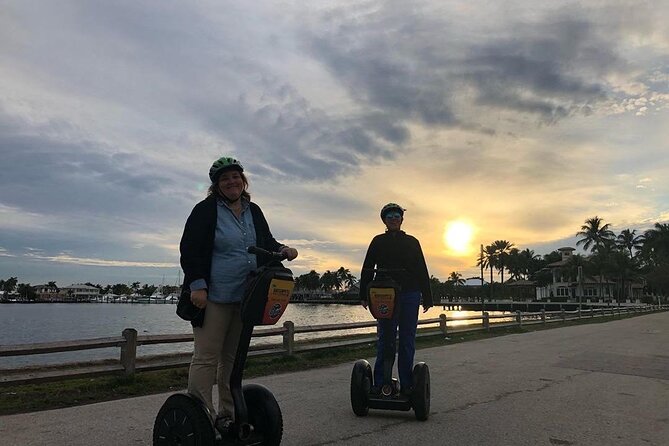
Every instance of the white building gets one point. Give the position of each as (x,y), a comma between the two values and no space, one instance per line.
(78,292)
(568,284)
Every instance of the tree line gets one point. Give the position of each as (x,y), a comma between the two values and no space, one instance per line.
(330,281)
(620,258)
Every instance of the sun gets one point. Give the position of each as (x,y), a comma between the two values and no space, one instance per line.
(457,237)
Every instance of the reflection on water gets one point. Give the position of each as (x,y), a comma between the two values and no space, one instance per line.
(32,323)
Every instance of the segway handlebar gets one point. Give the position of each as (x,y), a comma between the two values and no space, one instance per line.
(385,270)
(259,251)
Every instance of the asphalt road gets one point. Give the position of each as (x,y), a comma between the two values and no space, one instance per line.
(598,384)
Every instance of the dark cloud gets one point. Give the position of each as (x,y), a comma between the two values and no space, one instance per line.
(91,201)
(549,69)
(43,175)
(285,137)
(414,67)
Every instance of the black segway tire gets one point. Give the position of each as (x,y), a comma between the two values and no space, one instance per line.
(264,414)
(420,397)
(183,421)
(361,383)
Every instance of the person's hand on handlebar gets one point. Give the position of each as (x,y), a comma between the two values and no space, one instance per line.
(199,298)
(290,253)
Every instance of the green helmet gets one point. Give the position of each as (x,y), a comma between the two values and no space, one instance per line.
(221,164)
(391,207)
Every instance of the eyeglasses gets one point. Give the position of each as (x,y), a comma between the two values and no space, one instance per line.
(393,215)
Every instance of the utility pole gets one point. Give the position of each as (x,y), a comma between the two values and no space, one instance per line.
(482,293)
(580,285)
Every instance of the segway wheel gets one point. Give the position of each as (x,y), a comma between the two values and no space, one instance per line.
(420,398)
(264,414)
(183,421)
(361,383)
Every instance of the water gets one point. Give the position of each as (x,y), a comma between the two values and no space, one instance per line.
(50,322)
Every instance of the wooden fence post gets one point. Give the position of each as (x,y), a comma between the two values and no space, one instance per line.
(289,337)
(543,315)
(442,324)
(562,313)
(486,321)
(129,351)
(519,318)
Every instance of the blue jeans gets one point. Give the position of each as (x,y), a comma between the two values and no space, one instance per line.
(406,316)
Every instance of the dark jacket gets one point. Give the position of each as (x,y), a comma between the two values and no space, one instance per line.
(197,243)
(397,250)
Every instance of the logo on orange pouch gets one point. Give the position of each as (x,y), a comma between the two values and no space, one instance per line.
(275,311)
(280,292)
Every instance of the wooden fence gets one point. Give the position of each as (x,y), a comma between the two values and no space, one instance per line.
(130,363)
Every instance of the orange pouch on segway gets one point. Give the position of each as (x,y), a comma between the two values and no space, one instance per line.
(382,302)
(278,297)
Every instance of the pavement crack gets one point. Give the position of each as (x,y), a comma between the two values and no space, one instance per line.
(548,384)
(560,442)
(345,439)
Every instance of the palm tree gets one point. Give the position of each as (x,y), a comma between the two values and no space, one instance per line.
(655,249)
(346,277)
(629,240)
(530,262)
(309,281)
(135,287)
(502,248)
(514,264)
(626,268)
(601,262)
(439,289)
(522,264)
(9,284)
(488,259)
(330,281)
(456,279)
(594,234)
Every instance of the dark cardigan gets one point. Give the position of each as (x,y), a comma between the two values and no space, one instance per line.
(197,244)
(400,251)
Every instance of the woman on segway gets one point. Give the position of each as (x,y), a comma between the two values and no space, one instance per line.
(401,254)
(216,263)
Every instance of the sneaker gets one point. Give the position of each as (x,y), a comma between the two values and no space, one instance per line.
(224,424)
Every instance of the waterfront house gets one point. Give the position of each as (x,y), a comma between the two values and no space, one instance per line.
(523,290)
(46,292)
(79,292)
(570,283)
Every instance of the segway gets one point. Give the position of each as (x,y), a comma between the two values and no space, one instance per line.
(185,420)
(383,294)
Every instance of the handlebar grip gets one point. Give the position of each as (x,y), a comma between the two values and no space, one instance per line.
(259,251)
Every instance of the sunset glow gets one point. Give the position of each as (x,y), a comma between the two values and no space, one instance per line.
(457,237)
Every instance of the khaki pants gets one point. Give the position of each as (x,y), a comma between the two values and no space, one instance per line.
(214,354)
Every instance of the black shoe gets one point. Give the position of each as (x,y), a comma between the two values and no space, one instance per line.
(375,390)
(406,392)
(224,424)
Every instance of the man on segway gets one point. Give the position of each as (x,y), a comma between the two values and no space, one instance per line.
(400,255)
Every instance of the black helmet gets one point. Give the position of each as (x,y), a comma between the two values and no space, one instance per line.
(391,207)
(222,164)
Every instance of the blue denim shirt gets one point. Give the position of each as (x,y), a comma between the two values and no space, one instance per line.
(230,263)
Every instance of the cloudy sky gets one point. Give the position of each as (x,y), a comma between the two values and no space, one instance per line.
(518,119)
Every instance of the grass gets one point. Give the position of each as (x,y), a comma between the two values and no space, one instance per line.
(66,393)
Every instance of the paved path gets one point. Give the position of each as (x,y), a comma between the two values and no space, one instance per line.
(599,384)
